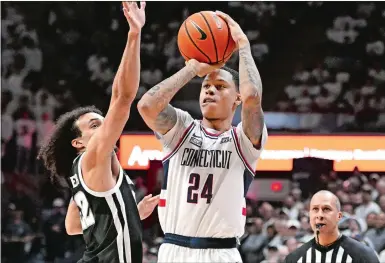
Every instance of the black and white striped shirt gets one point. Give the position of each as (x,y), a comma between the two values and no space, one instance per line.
(344,250)
(110,220)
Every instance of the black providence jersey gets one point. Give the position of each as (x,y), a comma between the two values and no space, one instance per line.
(110,220)
(344,250)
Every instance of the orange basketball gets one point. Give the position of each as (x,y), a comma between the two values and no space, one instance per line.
(205,37)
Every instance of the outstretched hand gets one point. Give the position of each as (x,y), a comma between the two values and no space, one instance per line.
(147,205)
(136,17)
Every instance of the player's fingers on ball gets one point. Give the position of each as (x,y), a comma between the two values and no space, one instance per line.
(226,17)
(219,65)
(223,15)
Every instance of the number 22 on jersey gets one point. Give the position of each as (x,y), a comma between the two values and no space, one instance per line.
(193,189)
(87,218)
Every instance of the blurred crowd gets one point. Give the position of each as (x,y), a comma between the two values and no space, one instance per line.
(348,76)
(54,55)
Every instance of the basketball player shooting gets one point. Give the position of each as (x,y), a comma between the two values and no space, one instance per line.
(209,164)
(84,140)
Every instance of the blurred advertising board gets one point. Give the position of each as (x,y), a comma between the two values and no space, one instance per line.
(347,151)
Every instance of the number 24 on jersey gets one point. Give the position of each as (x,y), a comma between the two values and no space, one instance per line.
(193,189)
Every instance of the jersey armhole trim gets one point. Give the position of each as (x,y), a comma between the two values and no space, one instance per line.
(239,151)
(181,141)
(95,193)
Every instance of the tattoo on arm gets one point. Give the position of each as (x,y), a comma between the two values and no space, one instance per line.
(153,91)
(253,123)
(251,92)
(162,93)
(158,99)
(166,119)
(248,71)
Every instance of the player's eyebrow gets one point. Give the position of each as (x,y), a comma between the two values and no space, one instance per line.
(93,119)
(214,80)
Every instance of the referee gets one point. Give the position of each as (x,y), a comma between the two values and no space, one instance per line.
(329,245)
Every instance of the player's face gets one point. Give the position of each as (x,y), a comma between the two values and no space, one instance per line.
(323,210)
(219,97)
(88,124)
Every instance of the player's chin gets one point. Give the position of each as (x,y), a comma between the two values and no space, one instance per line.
(210,112)
(209,106)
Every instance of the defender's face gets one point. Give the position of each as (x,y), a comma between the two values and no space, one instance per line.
(88,124)
(323,210)
(219,96)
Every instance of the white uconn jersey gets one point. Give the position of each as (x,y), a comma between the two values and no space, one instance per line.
(206,178)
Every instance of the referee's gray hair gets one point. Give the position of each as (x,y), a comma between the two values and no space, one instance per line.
(338,203)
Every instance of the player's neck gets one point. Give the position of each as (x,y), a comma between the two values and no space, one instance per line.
(328,239)
(218,125)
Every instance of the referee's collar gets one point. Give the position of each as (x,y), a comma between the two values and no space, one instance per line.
(330,247)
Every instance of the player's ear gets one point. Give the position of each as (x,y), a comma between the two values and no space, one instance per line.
(238,100)
(77,143)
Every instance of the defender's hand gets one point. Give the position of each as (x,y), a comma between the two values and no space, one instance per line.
(236,31)
(136,17)
(147,205)
(202,69)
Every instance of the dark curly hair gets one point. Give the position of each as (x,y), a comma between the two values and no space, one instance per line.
(58,153)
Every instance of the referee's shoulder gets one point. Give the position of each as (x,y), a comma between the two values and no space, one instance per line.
(359,250)
(299,252)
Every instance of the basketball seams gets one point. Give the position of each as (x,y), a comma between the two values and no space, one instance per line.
(193,39)
(228,40)
(212,35)
(228,56)
(188,34)
(183,54)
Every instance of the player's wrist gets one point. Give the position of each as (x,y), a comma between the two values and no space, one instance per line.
(193,66)
(134,34)
(243,43)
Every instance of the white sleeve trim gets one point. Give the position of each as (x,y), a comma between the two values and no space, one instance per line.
(95,193)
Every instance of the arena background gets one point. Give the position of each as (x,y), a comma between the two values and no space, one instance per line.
(323,73)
